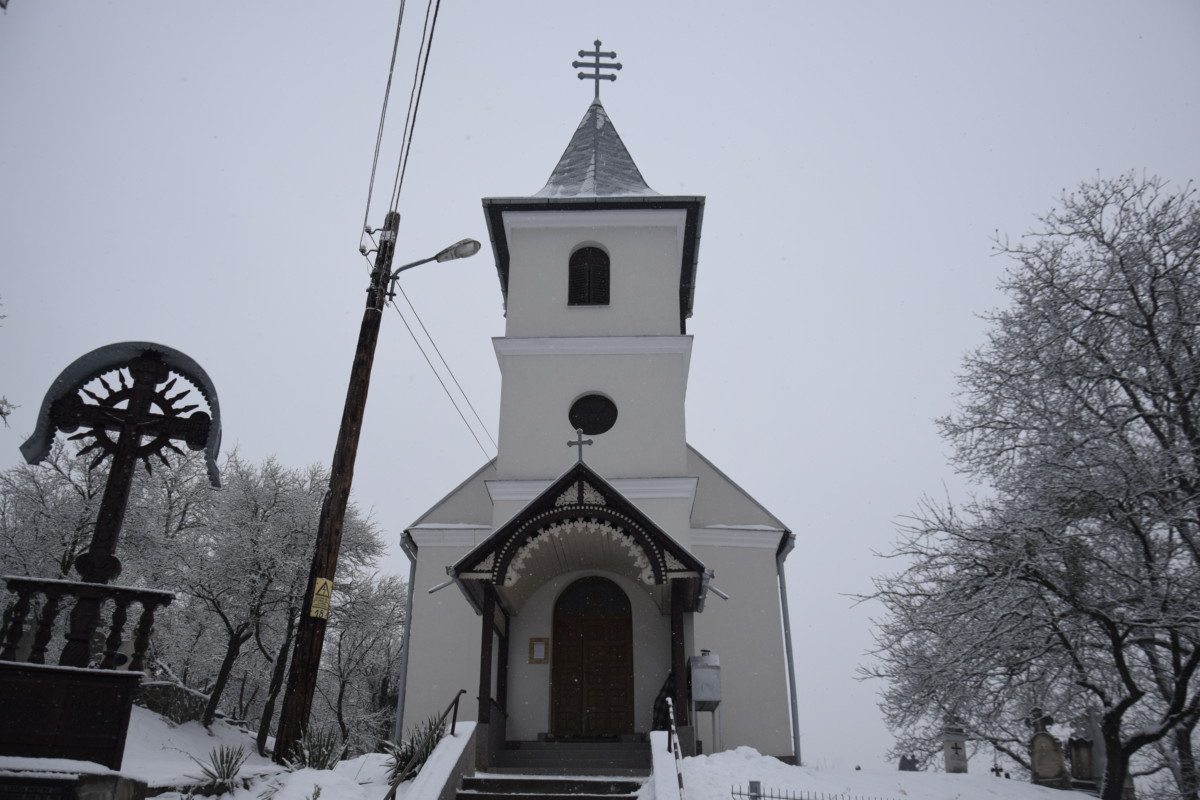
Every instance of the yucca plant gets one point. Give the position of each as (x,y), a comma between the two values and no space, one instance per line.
(220,774)
(416,747)
(318,748)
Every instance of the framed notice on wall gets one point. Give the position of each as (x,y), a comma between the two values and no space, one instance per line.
(539,651)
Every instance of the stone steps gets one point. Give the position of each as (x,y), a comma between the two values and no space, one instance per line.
(491,786)
(574,758)
(562,771)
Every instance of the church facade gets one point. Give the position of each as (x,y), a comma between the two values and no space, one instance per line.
(569,583)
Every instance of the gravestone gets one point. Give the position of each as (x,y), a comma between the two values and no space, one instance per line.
(954,748)
(1046,753)
(1086,747)
(909,764)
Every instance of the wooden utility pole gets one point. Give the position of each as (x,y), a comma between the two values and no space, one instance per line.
(314,613)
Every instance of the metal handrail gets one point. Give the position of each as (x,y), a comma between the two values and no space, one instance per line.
(404,773)
(673,745)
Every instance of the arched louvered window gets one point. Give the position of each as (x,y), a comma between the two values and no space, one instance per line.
(588,277)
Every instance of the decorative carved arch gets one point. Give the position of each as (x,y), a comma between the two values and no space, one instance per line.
(580,517)
(540,524)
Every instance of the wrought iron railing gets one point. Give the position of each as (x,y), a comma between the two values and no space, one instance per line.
(30,644)
(673,745)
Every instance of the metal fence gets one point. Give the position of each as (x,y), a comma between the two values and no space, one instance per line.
(755,792)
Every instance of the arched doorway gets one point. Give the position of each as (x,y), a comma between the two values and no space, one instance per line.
(591,676)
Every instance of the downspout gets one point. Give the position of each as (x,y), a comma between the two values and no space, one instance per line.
(785,546)
(410,549)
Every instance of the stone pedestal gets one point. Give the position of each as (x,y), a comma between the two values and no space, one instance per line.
(60,712)
(30,785)
(954,749)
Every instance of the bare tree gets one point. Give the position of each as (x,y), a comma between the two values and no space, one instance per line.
(6,408)
(1076,581)
(48,513)
(238,561)
(366,628)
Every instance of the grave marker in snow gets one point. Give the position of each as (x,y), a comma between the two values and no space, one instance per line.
(954,748)
(1046,753)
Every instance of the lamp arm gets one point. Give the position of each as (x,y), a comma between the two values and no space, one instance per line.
(398,270)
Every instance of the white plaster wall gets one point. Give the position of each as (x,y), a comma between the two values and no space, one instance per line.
(529,684)
(468,503)
(720,501)
(746,632)
(444,633)
(536,395)
(669,513)
(644,249)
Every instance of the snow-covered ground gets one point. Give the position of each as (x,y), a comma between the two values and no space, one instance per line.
(158,753)
(713,777)
(161,754)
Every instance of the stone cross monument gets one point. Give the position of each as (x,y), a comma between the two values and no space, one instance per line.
(954,748)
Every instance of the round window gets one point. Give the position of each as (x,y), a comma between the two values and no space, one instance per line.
(594,413)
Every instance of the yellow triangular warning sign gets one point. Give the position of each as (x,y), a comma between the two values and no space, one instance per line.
(322,594)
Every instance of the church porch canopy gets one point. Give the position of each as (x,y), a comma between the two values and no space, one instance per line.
(579,523)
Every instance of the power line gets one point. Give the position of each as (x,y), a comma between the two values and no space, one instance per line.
(387,93)
(445,389)
(410,122)
(414,103)
(414,98)
(447,366)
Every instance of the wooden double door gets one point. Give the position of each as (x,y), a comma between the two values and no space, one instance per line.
(591,677)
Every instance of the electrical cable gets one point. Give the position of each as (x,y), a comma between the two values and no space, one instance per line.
(432,8)
(387,93)
(414,99)
(445,388)
(447,366)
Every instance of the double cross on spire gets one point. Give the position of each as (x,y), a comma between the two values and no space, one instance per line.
(596,65)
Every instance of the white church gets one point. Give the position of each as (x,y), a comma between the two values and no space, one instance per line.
(570,584)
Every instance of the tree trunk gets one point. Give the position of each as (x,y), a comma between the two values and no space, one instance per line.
(1116,767)
(278,673)
(341,718)
(1187,777)
(237,637)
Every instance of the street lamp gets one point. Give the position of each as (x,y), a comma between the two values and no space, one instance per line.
(314,613)
(464,248)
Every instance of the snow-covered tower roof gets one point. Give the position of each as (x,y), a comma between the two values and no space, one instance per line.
(596,163)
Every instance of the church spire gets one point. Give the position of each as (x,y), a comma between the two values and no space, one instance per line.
(596,163)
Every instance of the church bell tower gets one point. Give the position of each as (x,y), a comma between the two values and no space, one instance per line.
(598,274)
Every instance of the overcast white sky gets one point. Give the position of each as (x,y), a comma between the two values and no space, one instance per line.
(195,174)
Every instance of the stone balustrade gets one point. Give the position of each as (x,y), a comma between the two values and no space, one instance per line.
(29,645)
